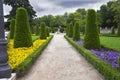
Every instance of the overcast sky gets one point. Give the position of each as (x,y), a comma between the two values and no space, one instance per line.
(58,7)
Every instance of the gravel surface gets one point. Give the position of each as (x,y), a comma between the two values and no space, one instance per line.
(60,61)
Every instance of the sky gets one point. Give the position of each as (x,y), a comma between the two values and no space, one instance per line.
(59,7)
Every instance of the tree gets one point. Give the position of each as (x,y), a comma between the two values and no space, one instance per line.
(71,30)
(91,39)
(113,30)
(47,31)
(22,36)
(37,30)
(76,32)
(20,3)
(118,32)
(12,28)
(43,33)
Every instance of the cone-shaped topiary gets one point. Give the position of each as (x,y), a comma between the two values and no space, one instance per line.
(22,36)
(67,29)
(113,30)
(12,28)
(118,32)
(47,31)
(43,33)
(71,30)
(76,32)
(37,30)
(91,39)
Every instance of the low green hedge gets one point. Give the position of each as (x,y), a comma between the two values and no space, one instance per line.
(28,62)
(105,69)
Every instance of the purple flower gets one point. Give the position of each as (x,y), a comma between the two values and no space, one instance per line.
(80,42)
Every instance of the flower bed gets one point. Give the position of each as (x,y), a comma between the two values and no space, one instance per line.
(17,55)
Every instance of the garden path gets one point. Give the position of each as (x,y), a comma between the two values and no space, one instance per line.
(60,61)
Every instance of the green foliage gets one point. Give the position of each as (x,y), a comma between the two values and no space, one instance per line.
(61,30)
(91,39)
(76,32)
(48,31)
(67,29)
(118,32)
(22,36)
(113,30)
(111,42)
(70,30)
(24,67)
(37,30)
(12,28)
(43,33)
(105,69)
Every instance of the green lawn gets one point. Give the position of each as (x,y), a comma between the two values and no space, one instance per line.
(111,42)
(35,37)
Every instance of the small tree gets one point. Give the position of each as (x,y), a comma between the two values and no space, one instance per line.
(118,32)
(12,27)
(37,30)
(43,34)
(113,30)
(91,39)
(47,31)
(76,32)
(71,30)
(22,36)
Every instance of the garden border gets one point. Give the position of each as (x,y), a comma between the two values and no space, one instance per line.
(24,67)
(105,69)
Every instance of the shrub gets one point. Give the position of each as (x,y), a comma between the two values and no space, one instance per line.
(118,32)
(113,30)
(67,29)
(22,36)
(12,27)
(91,39)
(43,34)
(70,30)
(76,32)
(48,31)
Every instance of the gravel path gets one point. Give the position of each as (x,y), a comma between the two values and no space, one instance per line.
(60,61)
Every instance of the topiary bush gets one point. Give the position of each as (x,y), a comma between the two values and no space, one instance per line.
(43,33)
(47,31)
(76,32)
(37,30)
(71,30)
(67,29)
(91,39)
(118,32)
(22,36)
(12,27)
(113,30)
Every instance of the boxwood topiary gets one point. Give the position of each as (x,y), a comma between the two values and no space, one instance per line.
(12,27)
(91,39)
(71,30)
(22,36)
(76,32)
(47,31)
(43,33)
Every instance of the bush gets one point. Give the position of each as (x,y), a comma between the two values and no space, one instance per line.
(91,39)
(105,69)
(118,32)
(67,29)
(76,32)
(12,28)
(22,36)
(70,30)
(48,31)
(43,33)
(113,30)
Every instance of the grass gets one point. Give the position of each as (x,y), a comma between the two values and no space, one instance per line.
(35,37)
(111,42)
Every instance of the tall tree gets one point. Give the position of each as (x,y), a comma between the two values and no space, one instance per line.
(19,3)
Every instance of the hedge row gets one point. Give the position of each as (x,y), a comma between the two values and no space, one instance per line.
(27,63)
(105,69)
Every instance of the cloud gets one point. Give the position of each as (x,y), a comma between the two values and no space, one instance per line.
(59,7)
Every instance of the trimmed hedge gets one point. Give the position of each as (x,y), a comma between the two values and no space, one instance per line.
(67,29)
(91,39)
(43,33)
(70,30)
(105,69)
(12,28)
(76,32)
(48,31)
(22,35)
(37,30)
(29,61)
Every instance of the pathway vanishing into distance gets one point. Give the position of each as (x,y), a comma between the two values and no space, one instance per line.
(61,61)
